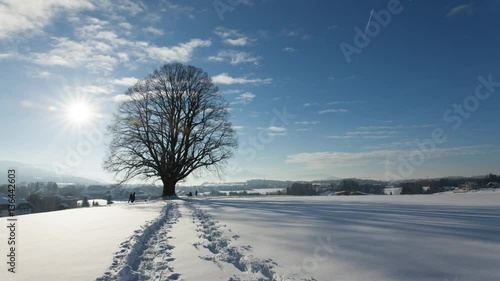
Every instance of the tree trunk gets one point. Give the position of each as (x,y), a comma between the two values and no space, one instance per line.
(168,187)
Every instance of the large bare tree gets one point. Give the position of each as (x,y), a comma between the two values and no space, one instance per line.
(172,123)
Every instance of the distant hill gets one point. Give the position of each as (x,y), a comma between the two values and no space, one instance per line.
(29,173)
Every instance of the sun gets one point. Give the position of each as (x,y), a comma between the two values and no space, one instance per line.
(79,113)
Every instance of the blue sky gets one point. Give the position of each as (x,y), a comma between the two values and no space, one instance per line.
(368,89)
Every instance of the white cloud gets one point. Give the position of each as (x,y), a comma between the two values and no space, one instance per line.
(37,73)
(118,7)
(178,10)
(340,137)
(343,102)
(125,25)
(74,54)
(122,98)
(275,131)
(231,92)
(242,41)
(25,16)
(290,33)
(295,33)
(365,135)
(233,37)
(226,33)
(272,134)
(397,127)
(153,31)
(180,53)
(321,160)
(244,98)
(93,90)
(235,57)
(460,10)
(307,122)
(98,51)
(125,81)
(333,111)
(5,56)
(289,49)
(225,79)
(372,133)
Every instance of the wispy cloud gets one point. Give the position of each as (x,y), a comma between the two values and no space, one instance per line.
(21,17)
(125,81)
(153,31)
(372,133)
(100,54)
(307,122)
(233,37)
(467,9)
(231,92)
(275,131)
(92,90)
(341,110)
(344,102)
(244,98)
(289,50)
(320,160)
(97,46)
(179,53)
(295,33)
(397,127)
(225,79)
(369,20)
(178,9)
(235,57)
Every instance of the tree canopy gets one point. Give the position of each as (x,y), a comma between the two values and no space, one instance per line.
(173,123)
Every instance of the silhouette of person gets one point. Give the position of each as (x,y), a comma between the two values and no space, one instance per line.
(190,194)
(196,193)
(133,197)
(130,198)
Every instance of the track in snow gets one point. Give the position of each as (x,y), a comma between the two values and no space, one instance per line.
(218,240)
(147,253)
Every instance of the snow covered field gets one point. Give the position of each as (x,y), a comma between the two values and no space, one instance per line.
(435,237)
(262,191)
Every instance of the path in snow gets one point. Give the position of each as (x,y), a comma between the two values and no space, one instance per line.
(186,243)
(218,239)
(146,254)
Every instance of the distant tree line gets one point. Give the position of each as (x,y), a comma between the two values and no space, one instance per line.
(301,189)
(438,185)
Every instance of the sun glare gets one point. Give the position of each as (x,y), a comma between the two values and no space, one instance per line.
(79,113)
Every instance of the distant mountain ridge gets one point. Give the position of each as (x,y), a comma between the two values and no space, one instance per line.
(30,173)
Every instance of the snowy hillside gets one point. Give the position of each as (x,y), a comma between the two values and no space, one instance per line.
(436,237)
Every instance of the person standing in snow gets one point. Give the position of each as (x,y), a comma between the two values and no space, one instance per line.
(133,197)
(130,197)
(196,193)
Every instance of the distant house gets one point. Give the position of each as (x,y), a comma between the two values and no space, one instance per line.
(493,185)
(22,206)
(471,185)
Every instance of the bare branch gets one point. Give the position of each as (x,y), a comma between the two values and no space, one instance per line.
(174,123)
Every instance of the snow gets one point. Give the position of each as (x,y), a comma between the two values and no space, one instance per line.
(450,236)
(262,191)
